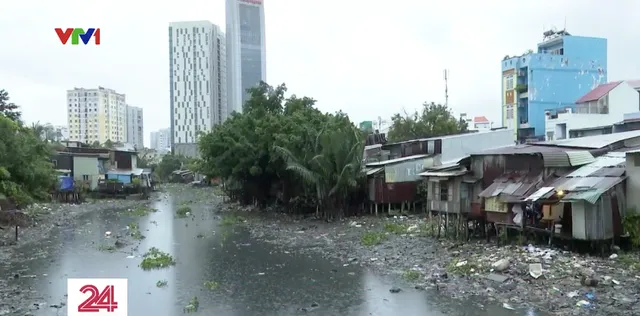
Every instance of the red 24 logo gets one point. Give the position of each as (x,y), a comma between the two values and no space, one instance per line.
(98,300)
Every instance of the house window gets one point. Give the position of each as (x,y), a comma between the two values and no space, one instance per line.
(85,177)
(55,163)
(441,191)
(509,83)
(510,113)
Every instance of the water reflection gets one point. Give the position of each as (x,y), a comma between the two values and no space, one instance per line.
(254,278)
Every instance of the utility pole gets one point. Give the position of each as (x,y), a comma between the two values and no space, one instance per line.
(446,88)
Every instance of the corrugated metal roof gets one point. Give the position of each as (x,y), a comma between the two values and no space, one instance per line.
(511,187)
(371,171)
(599,92)
(522,149)
(593,142)
(451,173)
(555,159)
(609,160)
(580,157)
(393,161)
(539,193)
(591,195)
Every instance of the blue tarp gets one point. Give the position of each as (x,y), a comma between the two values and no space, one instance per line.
(66,183)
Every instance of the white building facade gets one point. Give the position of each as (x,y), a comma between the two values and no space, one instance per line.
(595,113)
(246,49)
(135,126)
(161,140)
(198,91)
(96,115)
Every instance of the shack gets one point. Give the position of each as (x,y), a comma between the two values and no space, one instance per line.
(594,195)
(394,181)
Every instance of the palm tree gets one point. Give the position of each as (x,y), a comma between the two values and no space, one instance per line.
(332,167)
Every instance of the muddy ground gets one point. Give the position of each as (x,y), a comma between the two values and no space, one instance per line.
(400,246)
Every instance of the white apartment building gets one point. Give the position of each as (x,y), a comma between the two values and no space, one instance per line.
(135,127)
(161,139)
(61,132)
(596,112)
(96,115)
(197,71)
(246,49)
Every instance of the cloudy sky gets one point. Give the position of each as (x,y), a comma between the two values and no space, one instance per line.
(367,58)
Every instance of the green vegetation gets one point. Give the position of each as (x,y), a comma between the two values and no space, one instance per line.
(230,220)
(394,228)
(141,211)
(192,306)
(211,285)
(26,171)
(288,144)
(183,211)
(631,225)
(411,275)
(372,238)
(434,120)
(162,283)
(134,231)
(156,259)
(630,261)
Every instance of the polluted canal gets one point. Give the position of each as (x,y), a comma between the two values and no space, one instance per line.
(214,268)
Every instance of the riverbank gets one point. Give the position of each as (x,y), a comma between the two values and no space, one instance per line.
(399,247)
(46,216)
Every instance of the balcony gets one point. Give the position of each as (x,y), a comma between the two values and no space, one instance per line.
(522,88)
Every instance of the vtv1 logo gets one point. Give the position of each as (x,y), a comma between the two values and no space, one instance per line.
(77,34)
(97,297)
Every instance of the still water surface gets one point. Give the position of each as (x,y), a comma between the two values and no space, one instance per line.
(255,278)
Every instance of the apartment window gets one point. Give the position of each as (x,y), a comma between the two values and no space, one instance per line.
(85,177)
(510,114)
(510,82)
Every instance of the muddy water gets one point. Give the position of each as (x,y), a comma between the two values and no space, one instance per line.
(253,278)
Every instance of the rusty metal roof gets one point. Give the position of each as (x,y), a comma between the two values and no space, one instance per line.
(512,187)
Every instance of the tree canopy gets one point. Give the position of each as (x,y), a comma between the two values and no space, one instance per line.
(434,120)
(26,172)
(285,150)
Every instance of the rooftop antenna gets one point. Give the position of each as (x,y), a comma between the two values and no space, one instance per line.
(565,23)
(446,88)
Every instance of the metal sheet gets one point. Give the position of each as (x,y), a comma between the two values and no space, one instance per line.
(580,157)
(555,159)
(539,193)
(609,160)
(373,171)
(493,190)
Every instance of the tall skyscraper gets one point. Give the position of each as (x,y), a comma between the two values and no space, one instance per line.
(246,49)
(135,127)
(198,91)
(96,115)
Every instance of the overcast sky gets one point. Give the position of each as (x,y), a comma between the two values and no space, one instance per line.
(367,58)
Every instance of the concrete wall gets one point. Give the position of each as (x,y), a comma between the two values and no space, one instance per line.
(465,144)
(633,180)
(86,169)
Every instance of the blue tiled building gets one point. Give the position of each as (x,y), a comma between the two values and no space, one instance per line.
(564,68)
